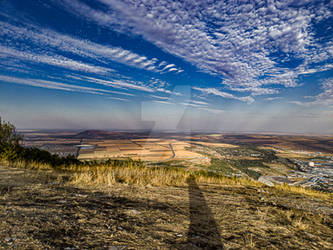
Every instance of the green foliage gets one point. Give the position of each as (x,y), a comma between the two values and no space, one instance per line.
(9,141)
(124,163)
(10,149)
(42,156)
(243,165)
(221,166)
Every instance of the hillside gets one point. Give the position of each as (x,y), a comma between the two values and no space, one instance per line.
(47,209)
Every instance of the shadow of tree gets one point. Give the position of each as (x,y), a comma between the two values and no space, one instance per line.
(203,231)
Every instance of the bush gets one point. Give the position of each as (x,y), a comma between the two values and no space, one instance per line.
(10,149)
(9,141)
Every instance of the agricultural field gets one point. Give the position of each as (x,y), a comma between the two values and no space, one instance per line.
(268,158)
(151,150)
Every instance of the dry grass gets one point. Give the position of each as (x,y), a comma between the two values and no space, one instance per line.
(297,219)
(27,165)
(138,174)
(133,172)
(304,191)
(40,211)
(248,241)
(300,224)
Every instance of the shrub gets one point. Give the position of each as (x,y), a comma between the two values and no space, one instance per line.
(9,141)
(10,149)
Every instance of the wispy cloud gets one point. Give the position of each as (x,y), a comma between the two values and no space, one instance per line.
(122,84)
(216,92)
(212,110)
(127,84)
(163,102)
(118,99)
(273,98)
(199,102)
(160,97)
(48,40)
(325,98)
(54,60)
(53,85)
(255,91)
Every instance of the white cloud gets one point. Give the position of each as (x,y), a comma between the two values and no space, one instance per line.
(85,79)
(273,98)
(299,103)
(118,99)
(255,91)
(212,110)
(163,102)
(54,60)
(160,97)
(190,104)
(217,92)
(47,40)
(127,84)
(229,39)
(325,98)
(53,85)
(120,84)
(199,102)
(166,91)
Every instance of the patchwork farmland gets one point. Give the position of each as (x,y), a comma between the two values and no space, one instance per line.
(154,150)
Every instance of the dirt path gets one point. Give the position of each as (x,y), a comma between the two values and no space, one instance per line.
(41,210)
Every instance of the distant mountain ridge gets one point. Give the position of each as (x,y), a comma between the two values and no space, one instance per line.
(97,134)
(102,134)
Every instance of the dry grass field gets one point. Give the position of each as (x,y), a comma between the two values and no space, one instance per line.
(43,209)
(153,150)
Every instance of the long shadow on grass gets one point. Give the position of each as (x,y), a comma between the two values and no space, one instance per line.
(203,231)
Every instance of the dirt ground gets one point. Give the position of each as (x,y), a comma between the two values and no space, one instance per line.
(41,210)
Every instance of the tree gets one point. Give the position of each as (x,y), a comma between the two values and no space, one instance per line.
(10,149)
(9,141)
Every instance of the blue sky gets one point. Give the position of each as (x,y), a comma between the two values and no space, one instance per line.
(136,64)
